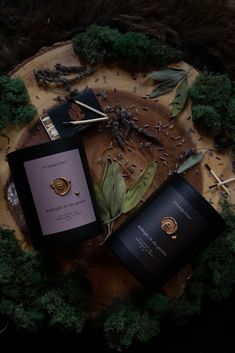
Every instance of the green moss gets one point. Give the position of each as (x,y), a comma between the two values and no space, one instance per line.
(61,313)
(213,90)
(207,117)
(95,44)
(161,54)
(14,102)
(134,319)
(30,298)
(213,273)
(157,304)
(125,323)
(133,49)
(213,279)
(213,107)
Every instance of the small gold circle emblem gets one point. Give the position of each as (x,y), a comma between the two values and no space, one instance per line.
(169,226)
(61,185)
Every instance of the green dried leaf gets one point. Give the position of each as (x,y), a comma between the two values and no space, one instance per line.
(114,188)
(163,88)
(167,74)
(107,183)
(140,187)
(119,191)
(103,207)
(180,97)
(104,174)
(190,162)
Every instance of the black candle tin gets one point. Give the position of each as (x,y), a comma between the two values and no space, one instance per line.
(161,237)
(55,191)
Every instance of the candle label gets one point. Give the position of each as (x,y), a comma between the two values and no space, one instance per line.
(60,191)
(150,236)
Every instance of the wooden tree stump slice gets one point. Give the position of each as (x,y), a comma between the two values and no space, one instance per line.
(108,277)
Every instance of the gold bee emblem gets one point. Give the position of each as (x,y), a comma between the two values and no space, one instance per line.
(169,226)
(61,186)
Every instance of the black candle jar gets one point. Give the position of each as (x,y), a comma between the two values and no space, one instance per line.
(161,237)
(55,191)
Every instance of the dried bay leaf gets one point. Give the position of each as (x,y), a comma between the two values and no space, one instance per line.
(107,183)
(102,204)
(190,162)
(180,97)
(139,188)
(167,74)
(119,191)
(114,188)
(104,174)
(163,88)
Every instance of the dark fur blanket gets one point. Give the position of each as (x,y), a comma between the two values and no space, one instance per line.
(204,29)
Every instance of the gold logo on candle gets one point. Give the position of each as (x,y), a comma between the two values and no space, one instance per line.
(169,226)
(61,186)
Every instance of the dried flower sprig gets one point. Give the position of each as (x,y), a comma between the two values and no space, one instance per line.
(123,119)
(59,74)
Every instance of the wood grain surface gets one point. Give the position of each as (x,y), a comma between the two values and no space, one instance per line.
(108,277)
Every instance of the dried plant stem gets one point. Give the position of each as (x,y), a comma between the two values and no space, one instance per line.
(110,229)
(4,328)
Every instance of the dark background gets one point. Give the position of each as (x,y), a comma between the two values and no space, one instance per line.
(205,30)
(212,331)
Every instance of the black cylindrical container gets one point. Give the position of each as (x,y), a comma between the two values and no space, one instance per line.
(165,232)
(55,191)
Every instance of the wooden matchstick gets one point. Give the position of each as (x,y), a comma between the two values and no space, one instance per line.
(222,183)
(84,121)
(89,108)
(217,178)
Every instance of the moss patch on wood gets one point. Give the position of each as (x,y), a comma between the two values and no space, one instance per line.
(15,105)
(134,50)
